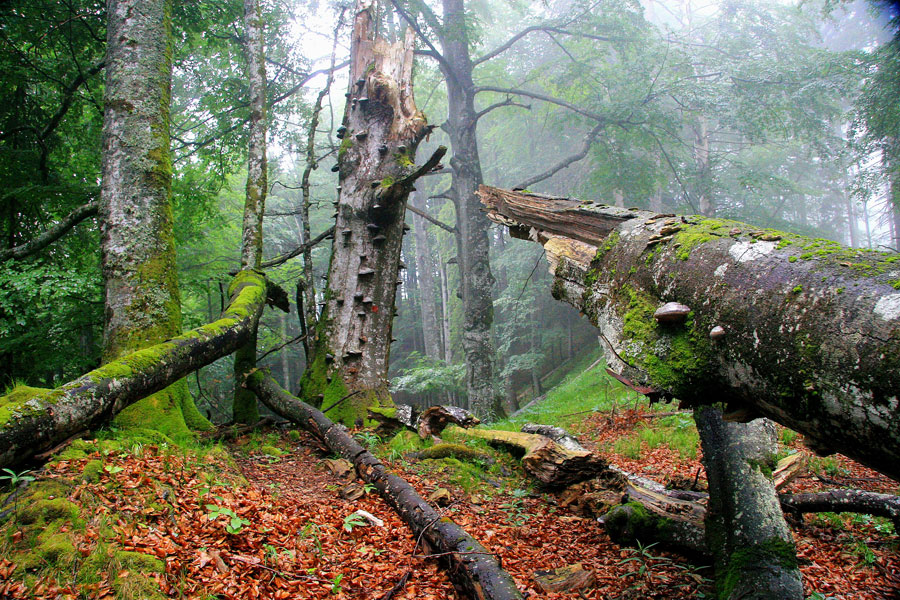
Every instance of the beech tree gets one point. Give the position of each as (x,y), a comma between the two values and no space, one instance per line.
(381,129)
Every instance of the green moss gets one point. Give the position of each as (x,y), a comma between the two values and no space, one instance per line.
(407,441)
(797,289)
(792,259)
(389,412)
(697,233)
(774,552)
(676,357)
(631,522)
(346,144)
(52,550)
(22,400)
(294,435)
(611,241)
(456,451)
(47,510)
(270,450)
(92,470)
(387,182)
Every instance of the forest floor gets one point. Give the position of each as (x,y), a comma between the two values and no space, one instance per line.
(263,518)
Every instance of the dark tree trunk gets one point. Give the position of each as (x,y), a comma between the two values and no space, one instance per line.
(35,420)
(810,331)
(746,532)
(381,131)
(472,226)
(471,567)
(245,409)
(143,306)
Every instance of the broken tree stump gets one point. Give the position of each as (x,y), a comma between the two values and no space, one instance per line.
(471,566)
(549,462)
(435,419)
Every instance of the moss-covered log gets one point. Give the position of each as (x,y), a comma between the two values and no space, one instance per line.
(803,331)
(551,463)
(33,420)
(381,130)
(471,567)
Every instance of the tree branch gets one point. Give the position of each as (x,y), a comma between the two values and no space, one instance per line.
(54,233)
(430,219)
(278,260)
(545,98)
(544,29)
(585,147)
(507,102)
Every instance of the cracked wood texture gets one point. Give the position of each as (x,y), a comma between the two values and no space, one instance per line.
(811,330)
(471,567)
(382,128)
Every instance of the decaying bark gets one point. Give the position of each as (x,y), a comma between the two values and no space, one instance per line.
(550,463)
(809,331)
(471,567)
(751,544)
(856,501)
(244,406)
(142,301)
(435,419)
(382,128)
(33,420)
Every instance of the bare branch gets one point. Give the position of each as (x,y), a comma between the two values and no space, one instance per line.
(544,98)
(585,147)
(278,260)
(54,233)
(544,29)
(430,219)
(507,102)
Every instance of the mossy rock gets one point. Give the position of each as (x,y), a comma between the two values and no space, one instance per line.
(406,441)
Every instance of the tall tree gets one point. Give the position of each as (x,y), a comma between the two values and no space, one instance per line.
(143,306)
(431,332)
(245,409)
(381,130)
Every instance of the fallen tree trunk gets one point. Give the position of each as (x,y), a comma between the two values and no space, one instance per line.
(33,420)
(802,331)
(472,567)
(552,464)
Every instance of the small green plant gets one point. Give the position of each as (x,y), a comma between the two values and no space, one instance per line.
(788,436)
(640,561)
(368,488)
(353,520)
(516,513)
(336,583)
(16,479)
(312,531)
(367,438)
(233,525)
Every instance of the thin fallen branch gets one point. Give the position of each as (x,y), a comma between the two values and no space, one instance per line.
(480,575)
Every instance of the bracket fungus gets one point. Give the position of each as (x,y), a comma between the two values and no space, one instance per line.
(671,312)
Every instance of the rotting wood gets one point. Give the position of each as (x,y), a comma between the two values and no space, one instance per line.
(552,464)
(471,566)
(856,501)
(38,419)
(817,349)
(435,419)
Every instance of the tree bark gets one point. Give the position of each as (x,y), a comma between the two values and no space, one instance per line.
(143,306)
(472,226)
(33,420)
(431,332)
(244,409)
(471,567)
(810,330)
(382,128)
(750,541)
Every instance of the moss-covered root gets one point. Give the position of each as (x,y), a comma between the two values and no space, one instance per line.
(457,451)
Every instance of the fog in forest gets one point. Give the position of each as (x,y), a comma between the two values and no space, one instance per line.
(777,114)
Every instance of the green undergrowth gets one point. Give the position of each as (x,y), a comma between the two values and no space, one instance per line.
(678,432)
(60,531)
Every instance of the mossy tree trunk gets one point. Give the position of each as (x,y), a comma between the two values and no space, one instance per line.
(143,305)
(746,532)
(244,409)
(382,128)
(809,330)
(34,420)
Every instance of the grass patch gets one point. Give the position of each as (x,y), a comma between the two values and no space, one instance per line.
(678,432)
